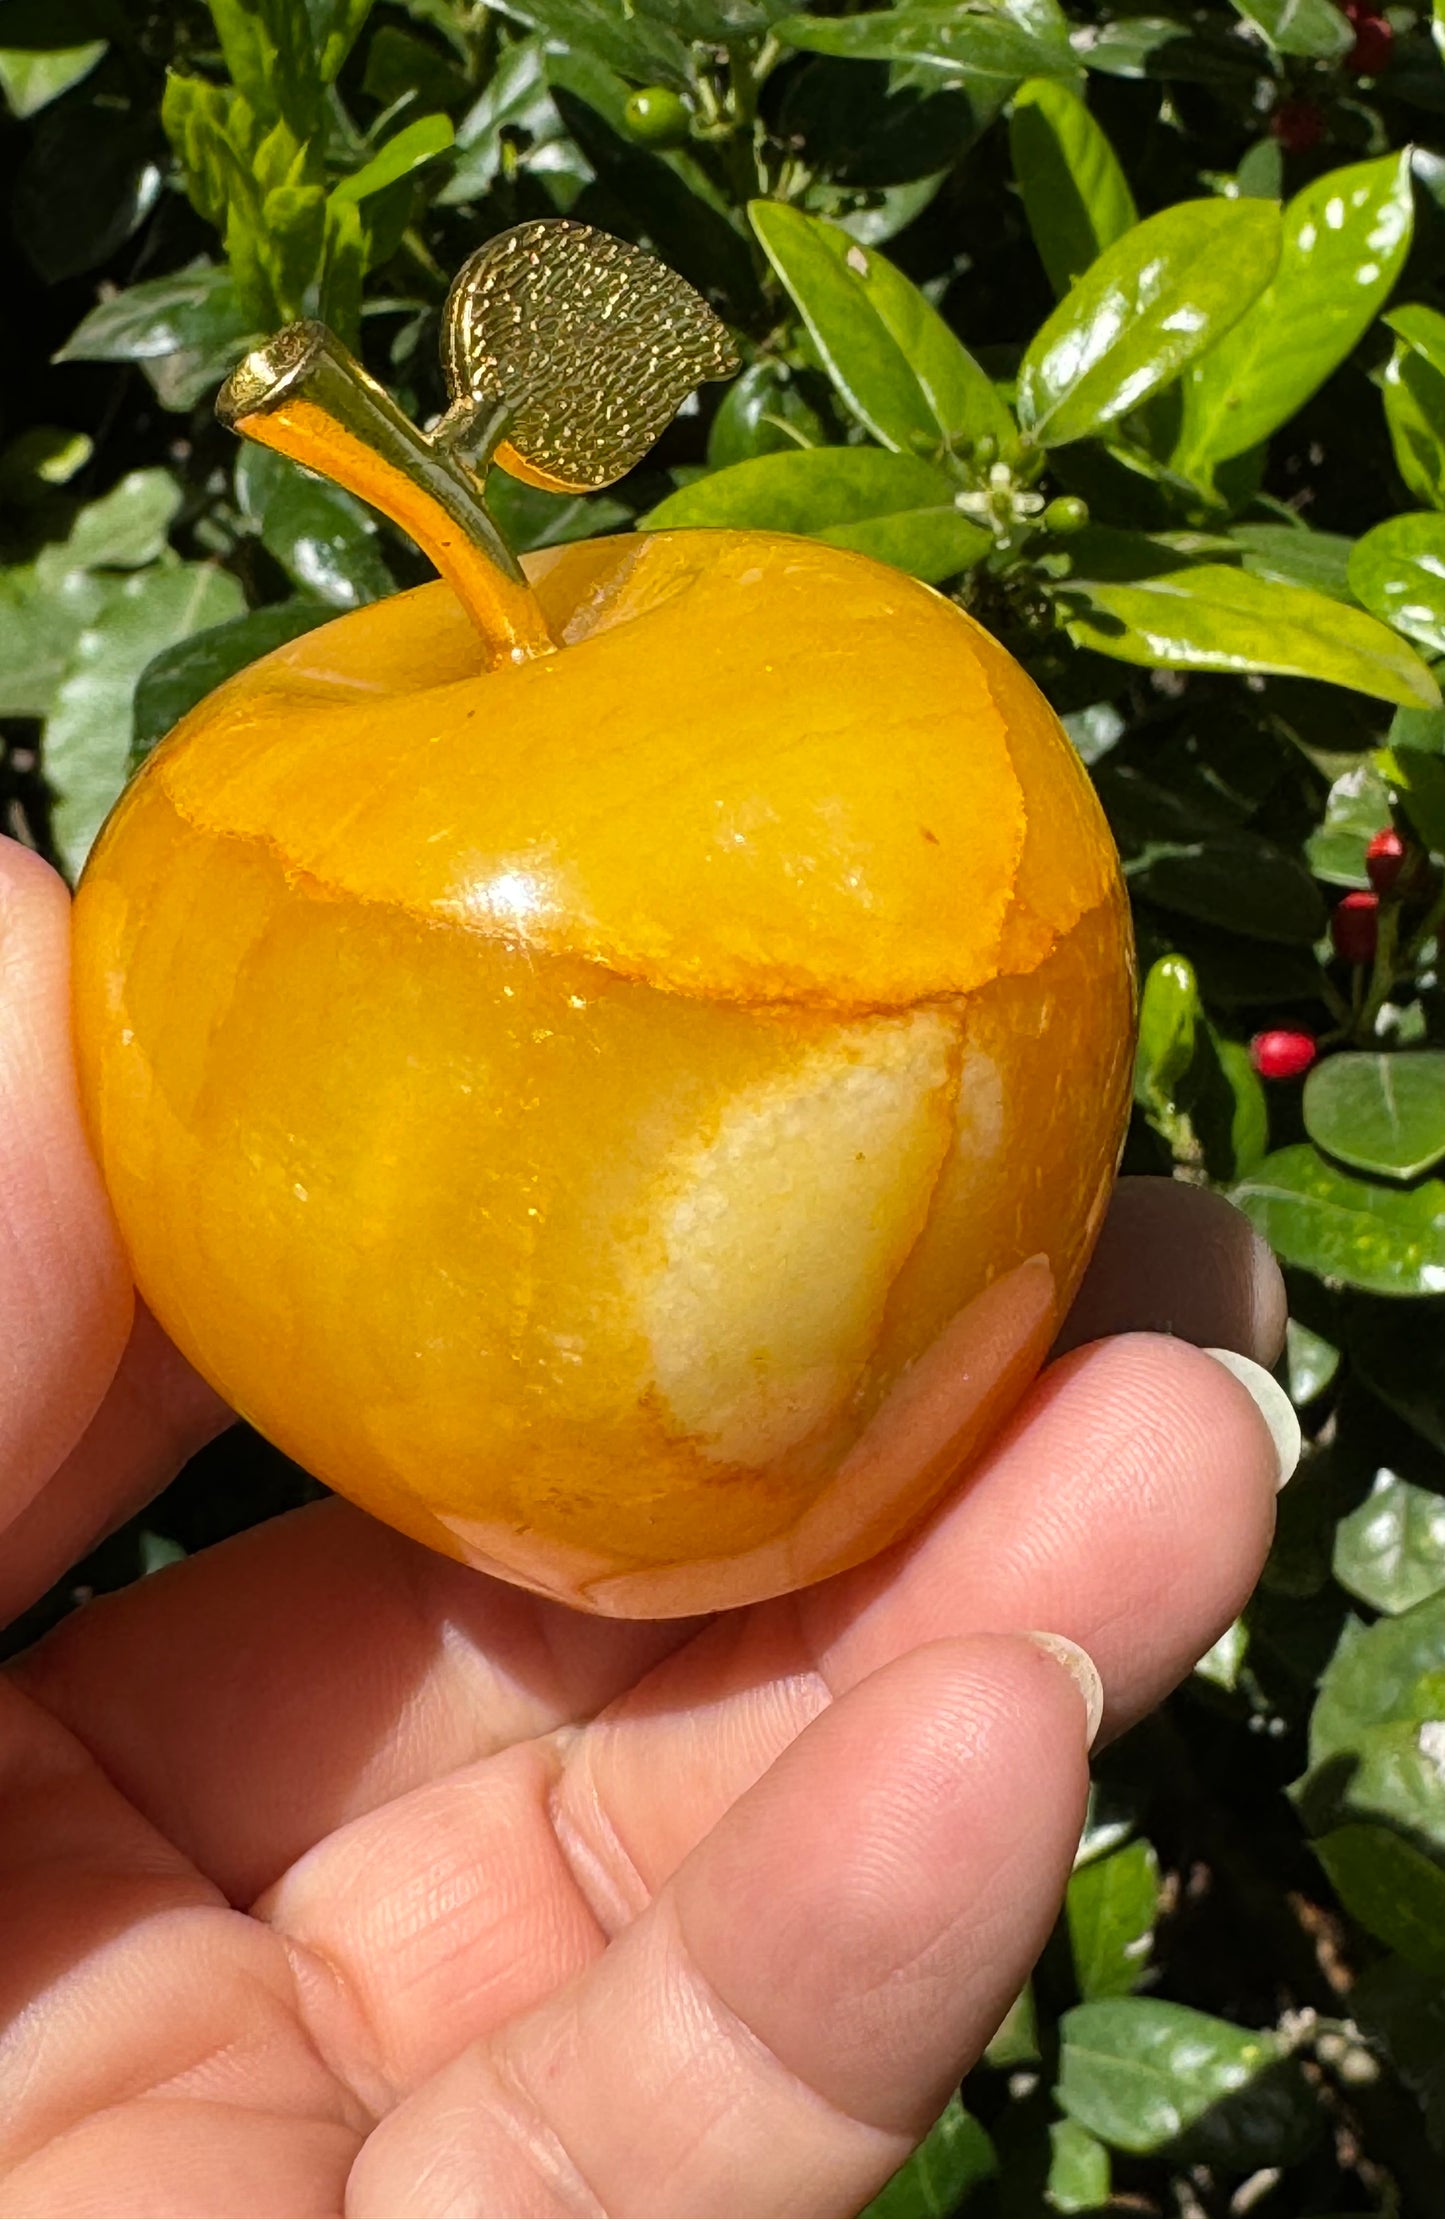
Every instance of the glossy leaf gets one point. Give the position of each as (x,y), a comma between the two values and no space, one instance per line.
(44,608)
(184,673)
(1310,1363)
(1297,557)
(1390,1673)
(1392,1887)
(1386,1240)
(30,79)
(1075,194)
(1414,393)
(890,506)
(1079,2169)
(126,527)
(955,2157)
(624,37)
(1380,1113)
(1390,1552)
(516,99)
(1398,570)
(87,738)
(762,413)
(1235,879)
(1159,296)
(1345,239)
(1110,1910)
(977,39)
(324,539)
(1357,807)
(1145,2075)
(187,331)
(1211,617)
(892,357)
(1315,28)
(398,157)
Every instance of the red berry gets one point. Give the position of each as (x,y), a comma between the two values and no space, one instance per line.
(1298,125)
(1354,927)
(1282,1055)
(1385,859)
(1370,54)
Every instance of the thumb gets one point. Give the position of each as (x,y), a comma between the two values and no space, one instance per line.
(788,2017)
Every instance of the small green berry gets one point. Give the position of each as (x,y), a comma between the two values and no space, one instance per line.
(656,116)
(1065,515)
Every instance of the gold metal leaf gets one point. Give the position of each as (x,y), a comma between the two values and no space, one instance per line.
(590,345)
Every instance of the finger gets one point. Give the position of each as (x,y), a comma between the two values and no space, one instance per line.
(155,1415)
(1130,1506)
(332,1667)
(268,1690)
(150,2049)
(65,1293)
(1174,1258)
(793,2010)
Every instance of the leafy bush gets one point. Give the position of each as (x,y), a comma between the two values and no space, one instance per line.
(1129,331)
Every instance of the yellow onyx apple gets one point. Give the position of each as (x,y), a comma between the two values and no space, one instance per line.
(632,1119)
(615,1064)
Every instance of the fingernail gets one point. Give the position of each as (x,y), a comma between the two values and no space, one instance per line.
(1272,1403)
(1084,1673)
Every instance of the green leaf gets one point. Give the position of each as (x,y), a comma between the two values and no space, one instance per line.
(335,27)
(1311,1362)
(1079,2170)
(1345,239)
(1144,2075)
(183,674)
(44,608)
(1392,1887)
(127,527)
(1296,556)
(892,357)
(30,80)
(1315,28)
(762,413)
(1386,1240)
(977,39)
(324,539)
(1211,617)
(954,2158)
(1390,1552)
(890,506)
(1111,1907)
(516,99)
(1235,879)
(1380,1113)
(624,37)
(398,157)
(1388,1674)
(1414,390)
(1075,194)
(1156,298)
(1398,571)
(87,739)
(1357,808)
(187,331)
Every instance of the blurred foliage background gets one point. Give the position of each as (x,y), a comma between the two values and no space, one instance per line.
(1126,328)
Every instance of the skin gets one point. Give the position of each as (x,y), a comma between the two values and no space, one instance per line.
(337,1878)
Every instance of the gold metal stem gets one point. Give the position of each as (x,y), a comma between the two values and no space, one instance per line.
(305,395)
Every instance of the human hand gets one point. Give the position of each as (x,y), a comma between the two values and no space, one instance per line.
(340,1879)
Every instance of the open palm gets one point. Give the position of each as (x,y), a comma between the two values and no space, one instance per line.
(337,1878)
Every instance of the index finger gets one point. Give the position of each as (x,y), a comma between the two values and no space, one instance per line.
(65,1291)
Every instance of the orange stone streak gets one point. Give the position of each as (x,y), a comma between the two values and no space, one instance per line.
(635,1119)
